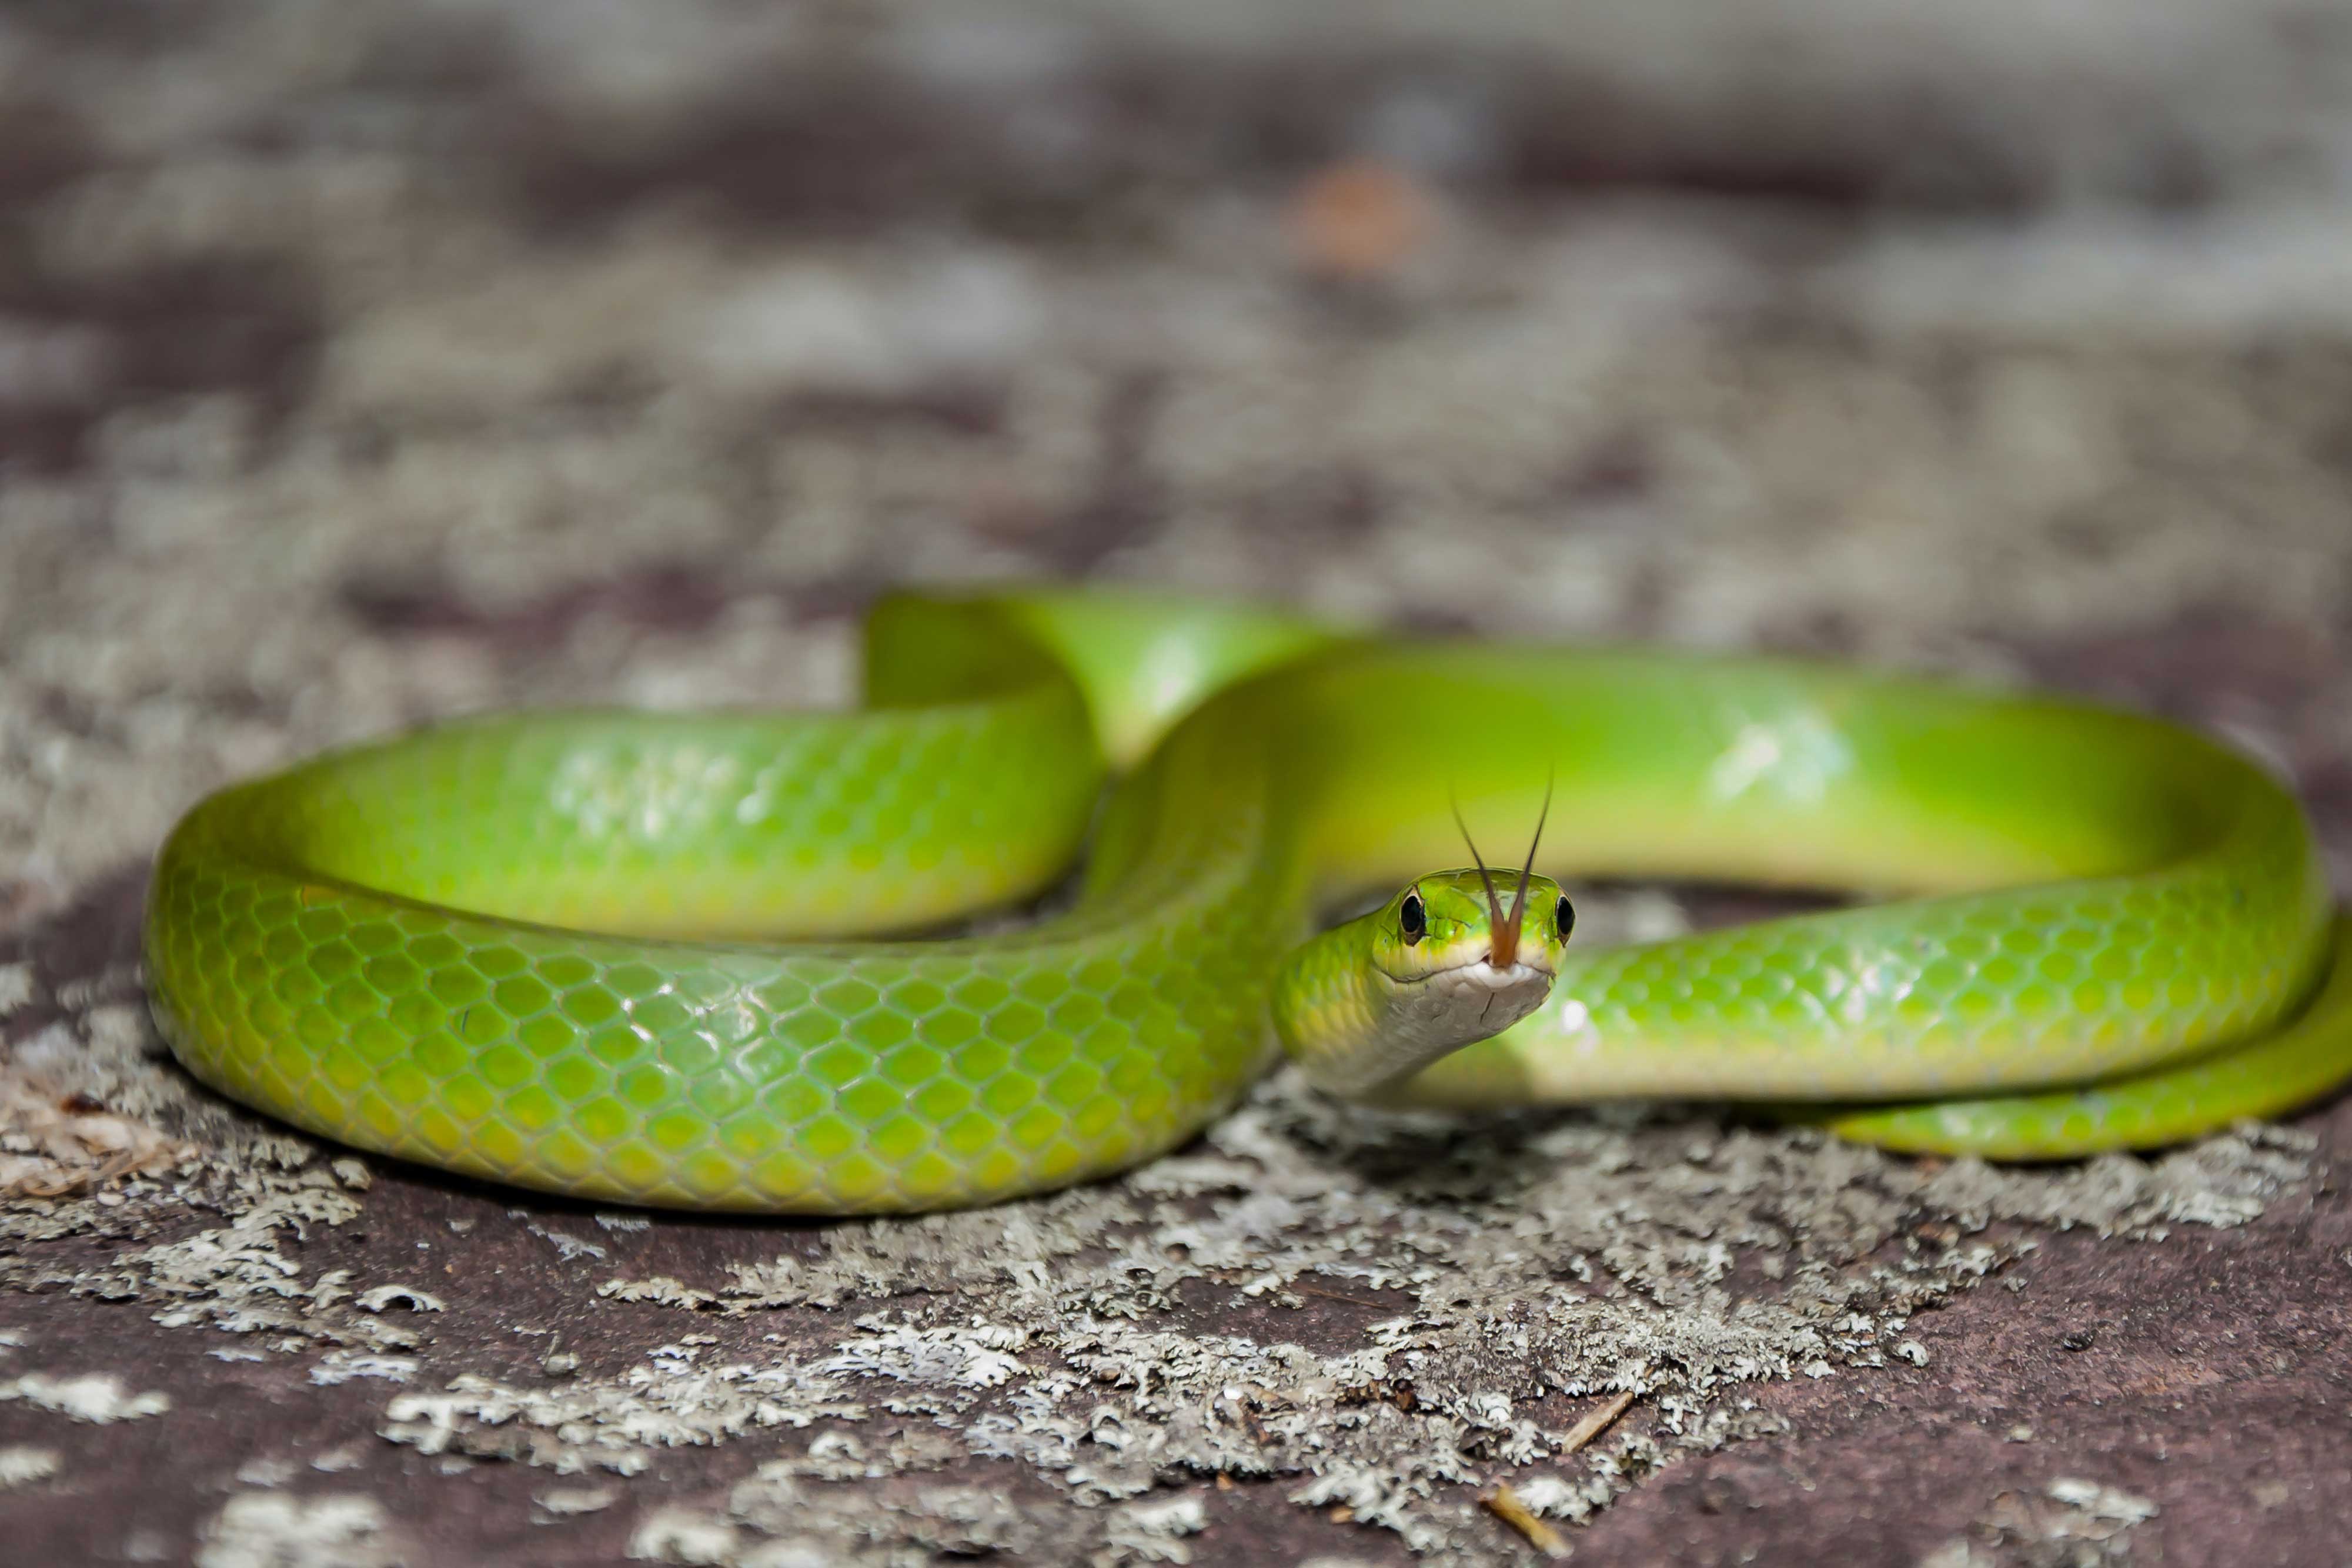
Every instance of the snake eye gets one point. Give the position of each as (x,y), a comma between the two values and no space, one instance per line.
(1412,920)
(1563,917)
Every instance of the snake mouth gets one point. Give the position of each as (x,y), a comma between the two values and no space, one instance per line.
(1473,1000)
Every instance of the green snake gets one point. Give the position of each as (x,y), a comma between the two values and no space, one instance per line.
(740,960)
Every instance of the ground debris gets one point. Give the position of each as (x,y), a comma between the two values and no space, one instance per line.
(1152,1531)
(2074,1523)
(238,1277)
(772,1519)
(270,1529)
(96,1396)
(21,1464)
(61,1142)
(668,1400)
(566,1501)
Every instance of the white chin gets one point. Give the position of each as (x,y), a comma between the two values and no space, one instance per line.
(1478,1000)
(1434,1016)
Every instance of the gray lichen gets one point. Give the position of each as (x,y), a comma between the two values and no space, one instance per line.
(2073,1523)
(264,1530)
(1523,1264)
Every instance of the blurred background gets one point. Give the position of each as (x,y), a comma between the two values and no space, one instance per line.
(369,360)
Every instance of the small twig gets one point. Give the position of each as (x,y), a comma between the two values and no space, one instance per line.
(1504,1503)
(1593,1425)
(1335,1296)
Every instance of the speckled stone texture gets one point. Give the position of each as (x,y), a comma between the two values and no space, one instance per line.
(366,364)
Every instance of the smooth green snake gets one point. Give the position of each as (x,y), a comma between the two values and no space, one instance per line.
(677,959)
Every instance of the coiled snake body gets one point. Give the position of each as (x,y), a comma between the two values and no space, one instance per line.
(659,957)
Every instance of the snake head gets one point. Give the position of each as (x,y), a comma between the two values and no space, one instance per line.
(1450,920)
(1460,967)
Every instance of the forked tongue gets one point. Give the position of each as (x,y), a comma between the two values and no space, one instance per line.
(1504,951)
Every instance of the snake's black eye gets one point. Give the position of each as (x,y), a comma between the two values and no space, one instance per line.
(1563,917)
(1412,919)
